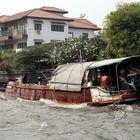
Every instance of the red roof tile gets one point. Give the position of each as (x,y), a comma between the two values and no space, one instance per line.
(49,13)
(18,15)
(83,24)
(37,13)
(44,14)
(53,9)
(3,17)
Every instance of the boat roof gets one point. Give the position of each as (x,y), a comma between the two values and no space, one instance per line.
(106,62)
(69,76)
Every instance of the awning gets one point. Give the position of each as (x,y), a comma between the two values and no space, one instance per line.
(38,40)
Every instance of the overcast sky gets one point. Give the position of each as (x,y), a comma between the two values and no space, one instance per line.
(95,10)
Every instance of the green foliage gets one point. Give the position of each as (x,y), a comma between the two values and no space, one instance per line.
(7,60)
(122,30)
(54,54)
(33,57)
(79,49)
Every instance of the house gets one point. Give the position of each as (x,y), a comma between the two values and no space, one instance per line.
(40,26)
(82,27)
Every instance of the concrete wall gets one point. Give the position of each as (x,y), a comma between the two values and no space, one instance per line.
(45,34)
(79,32)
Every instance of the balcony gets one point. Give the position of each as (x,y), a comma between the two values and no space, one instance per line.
(5,35)
(12,35)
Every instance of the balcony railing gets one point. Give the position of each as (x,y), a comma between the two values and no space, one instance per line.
(12,33)
(5,33)
(15,35)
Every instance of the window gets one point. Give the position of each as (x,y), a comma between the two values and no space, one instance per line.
(58,28)
(21,29)
(55,41)
(71,35)
(38,43)
(6,47)
(85,34)
(6,31)
(37,26)
(22,45)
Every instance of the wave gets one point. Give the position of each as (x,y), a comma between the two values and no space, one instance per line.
(64,105)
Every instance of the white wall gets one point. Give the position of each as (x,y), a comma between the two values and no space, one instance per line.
(46,34)
(54,35)
(79,32)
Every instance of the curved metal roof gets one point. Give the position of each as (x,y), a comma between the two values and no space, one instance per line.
(106,62)
(69,77)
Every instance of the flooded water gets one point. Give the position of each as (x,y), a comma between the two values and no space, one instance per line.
(30,120)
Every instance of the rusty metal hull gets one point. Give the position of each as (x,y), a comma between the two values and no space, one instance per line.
(86,95)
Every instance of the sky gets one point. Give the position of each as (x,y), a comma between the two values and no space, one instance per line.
(94,10)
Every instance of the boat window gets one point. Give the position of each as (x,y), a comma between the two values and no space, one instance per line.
(93,77)
(129,75)
(108,77)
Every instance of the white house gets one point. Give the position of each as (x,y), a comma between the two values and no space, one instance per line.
(40,26)
(80,27)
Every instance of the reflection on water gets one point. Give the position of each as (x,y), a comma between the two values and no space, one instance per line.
(32,120)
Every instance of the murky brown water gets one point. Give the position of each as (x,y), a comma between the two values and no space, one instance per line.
(27,120)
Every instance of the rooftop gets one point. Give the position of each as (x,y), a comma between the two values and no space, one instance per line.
(83,23)
(37,13)
(3,17)
(50,13)
(53,9)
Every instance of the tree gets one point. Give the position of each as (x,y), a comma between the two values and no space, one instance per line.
(33,57)
(79,49)
(53,54)
(122,30)
(7,60)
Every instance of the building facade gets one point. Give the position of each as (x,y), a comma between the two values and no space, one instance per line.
(40,26)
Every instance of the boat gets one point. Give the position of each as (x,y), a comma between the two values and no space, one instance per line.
(94,83)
